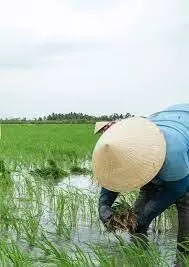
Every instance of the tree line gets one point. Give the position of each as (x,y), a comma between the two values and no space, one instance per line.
(71,117)
(79,116)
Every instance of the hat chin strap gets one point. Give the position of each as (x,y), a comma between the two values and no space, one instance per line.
(107,126)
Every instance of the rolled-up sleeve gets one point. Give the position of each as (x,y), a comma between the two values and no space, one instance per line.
(107,197)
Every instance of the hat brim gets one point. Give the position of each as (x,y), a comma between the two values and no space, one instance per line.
(100,125)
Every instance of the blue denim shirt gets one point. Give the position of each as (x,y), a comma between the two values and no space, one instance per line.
(174,124)
(174,174)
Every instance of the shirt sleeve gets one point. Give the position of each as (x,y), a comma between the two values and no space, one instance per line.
(164,197)
(107,197)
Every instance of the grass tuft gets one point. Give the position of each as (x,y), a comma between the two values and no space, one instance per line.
(79,170)
(51,171)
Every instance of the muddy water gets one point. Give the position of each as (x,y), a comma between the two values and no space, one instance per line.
(81,182)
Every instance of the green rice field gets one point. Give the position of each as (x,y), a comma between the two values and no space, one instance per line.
(49,205)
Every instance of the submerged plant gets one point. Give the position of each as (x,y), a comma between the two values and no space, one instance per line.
(50,171)
(78,170)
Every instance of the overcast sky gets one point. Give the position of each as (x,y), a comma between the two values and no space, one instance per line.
(95,57)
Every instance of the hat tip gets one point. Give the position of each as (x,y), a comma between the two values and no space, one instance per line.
(106,146)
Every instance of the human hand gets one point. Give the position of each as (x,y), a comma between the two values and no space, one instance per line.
(105,213)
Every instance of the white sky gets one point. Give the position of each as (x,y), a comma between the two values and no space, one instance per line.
(95,57)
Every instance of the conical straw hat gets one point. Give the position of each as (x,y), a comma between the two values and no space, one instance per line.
(128,155)
(99,125)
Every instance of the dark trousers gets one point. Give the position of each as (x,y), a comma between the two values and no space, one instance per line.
(143,208)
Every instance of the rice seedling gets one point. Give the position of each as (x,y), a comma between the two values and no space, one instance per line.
(92,209)
(2,168)
(7,205)
(81,206)
(81,258)
(182,259)
(53,254)
(30,227)
(12,255)
(63,223)
(16,227)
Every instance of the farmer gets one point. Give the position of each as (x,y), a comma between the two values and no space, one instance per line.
(151,154)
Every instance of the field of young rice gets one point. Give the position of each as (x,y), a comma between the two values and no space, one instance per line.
(48,205)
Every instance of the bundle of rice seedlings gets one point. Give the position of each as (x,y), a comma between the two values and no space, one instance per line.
(123,218)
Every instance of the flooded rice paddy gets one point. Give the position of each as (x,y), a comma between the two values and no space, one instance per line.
(49,213)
